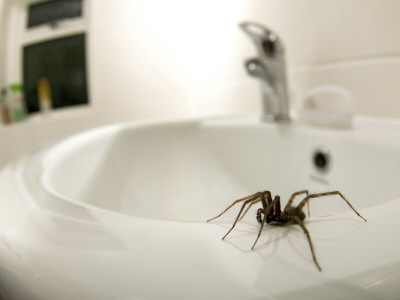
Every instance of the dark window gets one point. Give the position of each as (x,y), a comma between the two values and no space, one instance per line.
(62,63)
(50,12)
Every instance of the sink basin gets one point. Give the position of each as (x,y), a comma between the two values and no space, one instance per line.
(188,171)
(121,211)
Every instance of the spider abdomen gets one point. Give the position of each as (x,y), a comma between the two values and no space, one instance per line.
(292,212)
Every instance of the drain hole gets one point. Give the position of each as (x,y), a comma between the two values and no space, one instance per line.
(321,160)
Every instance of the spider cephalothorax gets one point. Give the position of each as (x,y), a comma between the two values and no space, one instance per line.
(271,212)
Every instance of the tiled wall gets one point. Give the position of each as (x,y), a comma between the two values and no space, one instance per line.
(356,44)
(196,56)
(187,60)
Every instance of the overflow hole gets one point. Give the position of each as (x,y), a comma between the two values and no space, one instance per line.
(321,160)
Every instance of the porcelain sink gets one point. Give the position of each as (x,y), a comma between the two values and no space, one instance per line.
(187,171)
(121,211)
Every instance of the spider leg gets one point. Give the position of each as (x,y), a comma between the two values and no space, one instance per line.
(309,241)
(261,228)
(306,199)
(240,212)
(293,196)
(265,211)
(247,209)
(253,197)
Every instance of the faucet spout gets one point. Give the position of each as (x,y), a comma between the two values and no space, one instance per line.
(269,66)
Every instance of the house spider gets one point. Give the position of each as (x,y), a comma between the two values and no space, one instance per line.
(271,212)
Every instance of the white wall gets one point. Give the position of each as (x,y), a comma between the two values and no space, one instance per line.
(170,57)
(190,60)
(2,33)
(154,58)
(1,10)
(357,45)
(180,57)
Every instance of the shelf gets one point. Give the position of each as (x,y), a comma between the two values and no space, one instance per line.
(58,115)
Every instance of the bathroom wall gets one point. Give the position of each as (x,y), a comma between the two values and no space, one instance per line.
(356,44)
(187,60)
(156,59)
(197,53)
(1,8)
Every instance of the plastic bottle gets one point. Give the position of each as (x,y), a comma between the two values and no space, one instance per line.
(5,110)
(18,104)
(44,93)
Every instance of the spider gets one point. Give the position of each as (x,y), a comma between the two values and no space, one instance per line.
(271,212)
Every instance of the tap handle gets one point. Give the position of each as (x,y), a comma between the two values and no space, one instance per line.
(266,41)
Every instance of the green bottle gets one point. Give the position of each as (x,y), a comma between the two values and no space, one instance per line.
(18,105)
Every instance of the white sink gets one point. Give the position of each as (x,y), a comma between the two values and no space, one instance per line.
(120,213)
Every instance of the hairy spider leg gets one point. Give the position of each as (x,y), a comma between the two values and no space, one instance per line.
(278,209)
(256,195)
(289,204)
(293,196)
(266,210)
(248,208)
(269,196)
(263,201)
(297,219)
(306,199)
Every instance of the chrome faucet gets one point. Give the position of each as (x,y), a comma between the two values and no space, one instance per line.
(270,67)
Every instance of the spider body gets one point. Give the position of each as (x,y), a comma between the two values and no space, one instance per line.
(283,217)
(271,213)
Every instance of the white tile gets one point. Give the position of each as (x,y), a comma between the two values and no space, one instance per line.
(348,29)
(290,20)
(299,83)
(231,97)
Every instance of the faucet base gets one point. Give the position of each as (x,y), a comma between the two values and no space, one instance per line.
(276,118)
